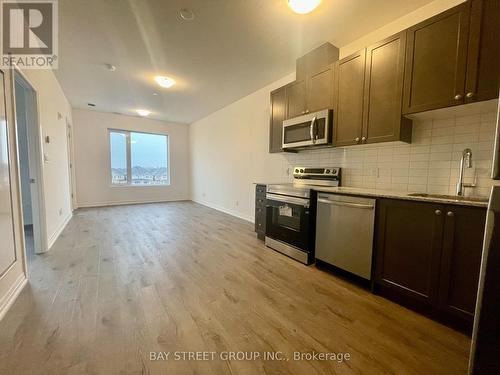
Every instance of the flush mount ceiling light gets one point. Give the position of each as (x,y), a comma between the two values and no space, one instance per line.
(303,6)
(163,81)
(143,112)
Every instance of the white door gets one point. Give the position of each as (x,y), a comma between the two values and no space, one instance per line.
(12,261)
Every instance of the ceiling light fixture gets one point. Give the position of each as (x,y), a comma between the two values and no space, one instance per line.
(163,81)
(143,112)
(303,6)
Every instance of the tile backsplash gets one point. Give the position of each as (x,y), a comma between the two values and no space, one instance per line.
(430,164)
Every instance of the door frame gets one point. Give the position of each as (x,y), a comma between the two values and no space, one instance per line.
(37,194)
(71,164)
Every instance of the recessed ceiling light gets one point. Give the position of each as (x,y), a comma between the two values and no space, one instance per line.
(143,112)
(155,93)
(163,81)
(186,14)
(303,6)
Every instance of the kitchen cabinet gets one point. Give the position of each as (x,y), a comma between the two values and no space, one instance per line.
(348,108)
(428,257)
(383,92)
(453,58)
(461,260)
(296,98)
(278,114)
(369,93)
(260,211)
(483,57)
(320,90)
(311,94)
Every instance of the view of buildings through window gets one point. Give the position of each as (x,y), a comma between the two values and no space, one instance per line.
(138,158)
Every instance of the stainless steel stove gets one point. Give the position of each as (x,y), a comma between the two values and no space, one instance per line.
(291,212)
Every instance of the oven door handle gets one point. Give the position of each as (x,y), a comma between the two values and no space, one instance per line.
(292,200)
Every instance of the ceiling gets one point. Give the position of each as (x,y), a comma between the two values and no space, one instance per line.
(231,49)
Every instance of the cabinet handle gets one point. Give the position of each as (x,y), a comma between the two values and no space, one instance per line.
(458,97)
(450,213)
(357,139)
(363,139)
(438,212)
(469,95)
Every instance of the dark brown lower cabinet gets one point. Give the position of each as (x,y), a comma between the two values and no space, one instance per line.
(428,257)
(260,211)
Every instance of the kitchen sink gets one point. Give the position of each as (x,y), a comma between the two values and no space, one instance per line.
(452,197)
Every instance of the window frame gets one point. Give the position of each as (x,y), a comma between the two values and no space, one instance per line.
(128,149)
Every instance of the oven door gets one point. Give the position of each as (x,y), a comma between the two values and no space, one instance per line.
(313,129)
(288,220)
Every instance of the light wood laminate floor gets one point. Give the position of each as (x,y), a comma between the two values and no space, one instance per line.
(124,281)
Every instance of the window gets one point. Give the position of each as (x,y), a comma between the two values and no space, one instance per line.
(138,158)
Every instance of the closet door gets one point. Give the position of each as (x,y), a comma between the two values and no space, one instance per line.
(12,263)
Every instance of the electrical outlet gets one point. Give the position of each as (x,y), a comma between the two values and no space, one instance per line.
(203,195)
(237,203)
(60,211)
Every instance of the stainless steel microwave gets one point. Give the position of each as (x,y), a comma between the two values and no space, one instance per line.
(310,130)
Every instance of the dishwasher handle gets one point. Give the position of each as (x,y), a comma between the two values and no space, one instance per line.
(346,204)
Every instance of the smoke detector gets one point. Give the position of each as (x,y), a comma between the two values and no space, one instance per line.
(186,14)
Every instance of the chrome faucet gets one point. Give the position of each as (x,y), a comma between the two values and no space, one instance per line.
(465,162)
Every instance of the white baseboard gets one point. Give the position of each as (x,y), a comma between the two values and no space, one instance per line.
(11,296)
(125,203)
(225,210)
(54,236)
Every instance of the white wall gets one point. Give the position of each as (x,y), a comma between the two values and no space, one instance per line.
(229,148)
(51,101)
(92,165)
(229,151)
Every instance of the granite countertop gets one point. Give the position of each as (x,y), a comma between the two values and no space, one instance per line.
(466,201)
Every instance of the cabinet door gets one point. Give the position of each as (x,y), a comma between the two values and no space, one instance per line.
(436,59)
(483,59)
(296,98)
(461,260)
(278,114)
(348,111)
(320,90)
(384,90)
(409,237)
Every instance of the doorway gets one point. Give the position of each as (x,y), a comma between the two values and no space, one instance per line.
(30,165)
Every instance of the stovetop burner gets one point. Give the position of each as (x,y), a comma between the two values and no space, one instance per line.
(304,179)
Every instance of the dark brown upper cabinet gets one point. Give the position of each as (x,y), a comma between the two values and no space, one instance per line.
(369,92)
(349,82)
(383,92)
(428,256)
(278,114)
(453,58)
(296,98)
(320,90)
(436,59)
(483,58)
(311,94)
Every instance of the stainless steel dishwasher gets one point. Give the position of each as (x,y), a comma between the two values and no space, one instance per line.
(344,232)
